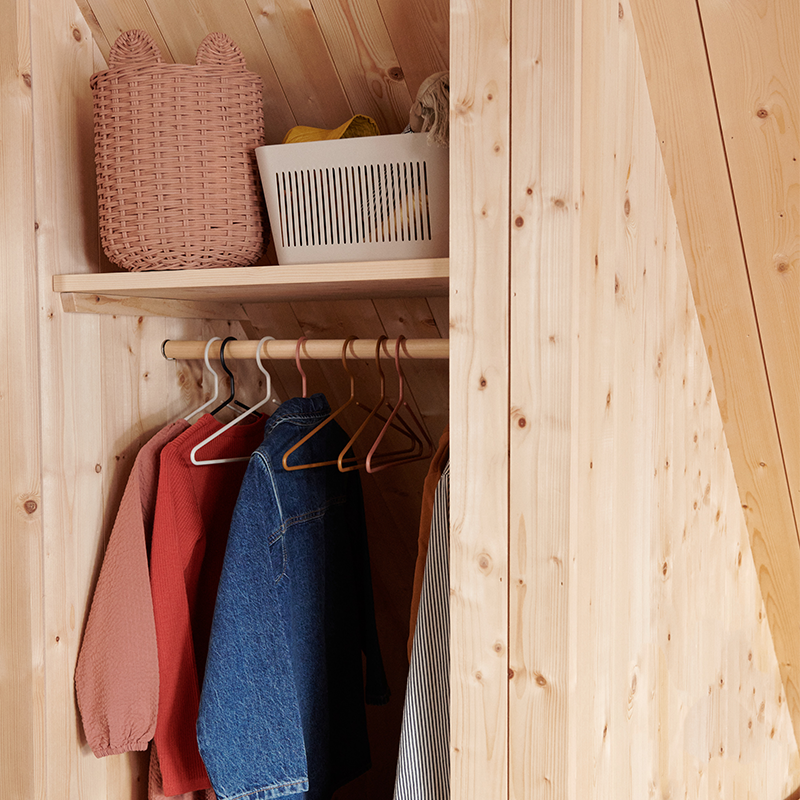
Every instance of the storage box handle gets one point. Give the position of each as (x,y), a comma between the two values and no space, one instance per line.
(218,49)
(134,48)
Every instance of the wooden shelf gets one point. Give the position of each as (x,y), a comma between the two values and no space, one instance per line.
(218,292)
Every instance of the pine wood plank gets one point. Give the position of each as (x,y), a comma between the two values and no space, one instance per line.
(479,387)
(419,30)
(683,103)
(592,511)
(304,66)
(545,191)
(22,750)
(362,50)
(107,20)
(274,283)
(754,50)
(72,491)
(76,303)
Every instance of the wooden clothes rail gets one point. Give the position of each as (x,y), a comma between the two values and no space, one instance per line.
(316,349)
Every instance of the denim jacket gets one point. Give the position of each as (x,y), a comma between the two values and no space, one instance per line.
(282,707)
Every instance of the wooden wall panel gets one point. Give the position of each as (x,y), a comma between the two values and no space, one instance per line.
(544,235)
(639,652)
(701,160)
(22,694)
(479,387)
(676,688)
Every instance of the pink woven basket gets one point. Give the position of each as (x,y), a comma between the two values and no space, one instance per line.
(177,181)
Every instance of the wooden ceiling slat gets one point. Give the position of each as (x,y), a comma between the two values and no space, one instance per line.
(107,19)
(682,96)
(294,41)
(362,50)
(420,33)
(754,53)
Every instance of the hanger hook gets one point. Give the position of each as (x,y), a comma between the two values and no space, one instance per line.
(346,367)
(400,375)
(378,344)
(297,362)
(222,346)
(268,384)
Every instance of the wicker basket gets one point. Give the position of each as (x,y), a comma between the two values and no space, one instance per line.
(177,181)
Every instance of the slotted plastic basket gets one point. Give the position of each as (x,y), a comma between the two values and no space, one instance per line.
(177,181)
(360,199)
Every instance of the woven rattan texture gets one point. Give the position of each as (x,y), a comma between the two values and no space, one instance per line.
(177,180)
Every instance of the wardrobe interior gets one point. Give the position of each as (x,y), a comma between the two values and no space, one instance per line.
(609,634)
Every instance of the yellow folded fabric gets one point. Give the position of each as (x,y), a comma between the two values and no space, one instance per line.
(359,125)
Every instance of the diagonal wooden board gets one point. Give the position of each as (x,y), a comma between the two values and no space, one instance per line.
(709,175)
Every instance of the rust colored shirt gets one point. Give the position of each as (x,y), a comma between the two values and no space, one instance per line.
(193,514)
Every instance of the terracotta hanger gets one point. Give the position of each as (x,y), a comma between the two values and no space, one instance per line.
(350,400)
(402,427)
(394,462)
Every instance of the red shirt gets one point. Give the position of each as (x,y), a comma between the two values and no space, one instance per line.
(194,507)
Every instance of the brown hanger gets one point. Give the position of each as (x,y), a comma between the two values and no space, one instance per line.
(398,424)
(392,462)
(324,422)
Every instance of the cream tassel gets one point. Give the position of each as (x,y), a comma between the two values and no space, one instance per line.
(431,111)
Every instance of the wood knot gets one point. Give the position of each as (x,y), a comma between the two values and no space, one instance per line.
(783,266)
(621,12)
(522,422)
(762,113)
(30,506)
(26,79)
(627,207)
(77,35)
(519,222)
(541,680)
(396,74)
(98,469)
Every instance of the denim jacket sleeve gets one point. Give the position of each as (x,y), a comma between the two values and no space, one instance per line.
(249,701)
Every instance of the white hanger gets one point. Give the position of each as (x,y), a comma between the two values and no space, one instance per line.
(267,397)
(216,380)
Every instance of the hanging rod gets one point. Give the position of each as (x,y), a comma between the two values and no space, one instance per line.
(316,349)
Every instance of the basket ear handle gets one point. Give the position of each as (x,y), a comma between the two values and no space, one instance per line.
(134,48)
(218,49)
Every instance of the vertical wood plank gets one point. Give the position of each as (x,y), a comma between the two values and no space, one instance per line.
(544,230)
(479,387)
(62,53)
(22,752)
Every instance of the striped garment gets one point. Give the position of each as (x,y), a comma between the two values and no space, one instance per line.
(423,767)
